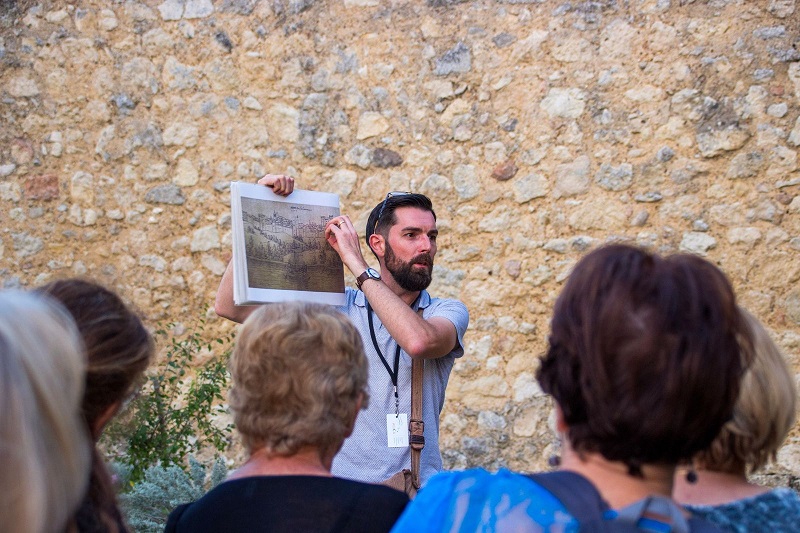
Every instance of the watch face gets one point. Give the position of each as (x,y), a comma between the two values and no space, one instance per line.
(371,272)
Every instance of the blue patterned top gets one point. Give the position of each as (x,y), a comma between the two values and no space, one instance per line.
(777,511)
(478,501)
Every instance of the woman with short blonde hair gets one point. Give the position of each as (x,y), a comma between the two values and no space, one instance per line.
(283,400)
(299,381)
(764,414)
(44,447)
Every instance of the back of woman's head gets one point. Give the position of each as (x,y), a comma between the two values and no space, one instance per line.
(298,372)
(44,445)
(118,350)
(764,413)
(644,358)
(118,346)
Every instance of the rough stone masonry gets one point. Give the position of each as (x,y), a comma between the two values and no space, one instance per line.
(540,128)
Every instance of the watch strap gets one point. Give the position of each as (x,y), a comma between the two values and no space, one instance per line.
(364,276)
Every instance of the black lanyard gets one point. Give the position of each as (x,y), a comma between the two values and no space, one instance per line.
(392,373)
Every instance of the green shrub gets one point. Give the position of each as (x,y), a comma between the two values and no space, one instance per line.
(174,415)
(148,503)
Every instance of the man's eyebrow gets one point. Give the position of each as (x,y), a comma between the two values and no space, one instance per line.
(419,230)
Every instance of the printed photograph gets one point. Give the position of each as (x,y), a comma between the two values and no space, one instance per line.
(286,249)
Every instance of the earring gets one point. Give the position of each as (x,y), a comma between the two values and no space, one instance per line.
(691,476)
(554,460)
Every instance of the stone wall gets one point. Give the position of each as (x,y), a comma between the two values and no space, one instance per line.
(541,129)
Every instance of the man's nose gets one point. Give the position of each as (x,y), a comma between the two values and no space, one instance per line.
(425,244)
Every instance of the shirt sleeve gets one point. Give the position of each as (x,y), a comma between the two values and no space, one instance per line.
(457,313)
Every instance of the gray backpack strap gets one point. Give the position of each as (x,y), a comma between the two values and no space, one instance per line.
(578,496)
(655,510)
(582,500)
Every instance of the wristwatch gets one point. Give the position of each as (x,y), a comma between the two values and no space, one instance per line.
(369,273)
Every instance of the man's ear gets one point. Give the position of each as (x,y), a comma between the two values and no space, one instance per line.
(377,243)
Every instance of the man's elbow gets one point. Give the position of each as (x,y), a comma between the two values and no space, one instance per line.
(423,350)
(432,343)
(417,355)
(225,310)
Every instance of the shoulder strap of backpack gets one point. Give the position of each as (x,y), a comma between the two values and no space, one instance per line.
(654,513)
(582,500)
(575,492)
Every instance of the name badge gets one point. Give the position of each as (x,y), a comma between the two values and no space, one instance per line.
(397,430)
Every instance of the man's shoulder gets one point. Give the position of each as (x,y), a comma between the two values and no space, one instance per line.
(433,302)
(450,308)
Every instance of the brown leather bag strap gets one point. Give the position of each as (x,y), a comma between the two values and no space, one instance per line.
(416,425)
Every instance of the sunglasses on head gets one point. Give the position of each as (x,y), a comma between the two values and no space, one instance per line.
(383,205)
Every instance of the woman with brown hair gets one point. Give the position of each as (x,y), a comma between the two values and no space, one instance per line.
(118,350)
(763,416)
(299,381)
(644,361)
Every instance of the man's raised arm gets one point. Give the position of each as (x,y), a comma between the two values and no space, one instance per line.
(223,303)
(419,338)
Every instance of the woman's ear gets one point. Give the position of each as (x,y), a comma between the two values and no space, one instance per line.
(104,418)
(561,425)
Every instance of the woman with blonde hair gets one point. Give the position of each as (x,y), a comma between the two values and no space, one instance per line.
(44,447)
(765,412)
(118,350)
(299,381)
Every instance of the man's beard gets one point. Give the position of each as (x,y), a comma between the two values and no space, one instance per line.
(405,274)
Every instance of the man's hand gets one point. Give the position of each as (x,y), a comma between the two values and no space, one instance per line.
(342,236)
(280,184)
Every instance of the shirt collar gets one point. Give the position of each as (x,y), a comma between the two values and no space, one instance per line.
(424,299)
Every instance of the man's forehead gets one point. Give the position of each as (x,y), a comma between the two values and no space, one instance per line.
(409,216)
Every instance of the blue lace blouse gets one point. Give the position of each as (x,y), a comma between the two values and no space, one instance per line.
(777,511)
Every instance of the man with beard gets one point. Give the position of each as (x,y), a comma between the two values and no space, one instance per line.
(401,232)
(398,320)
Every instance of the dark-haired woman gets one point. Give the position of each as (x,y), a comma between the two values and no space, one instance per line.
(118,350)
(644,361)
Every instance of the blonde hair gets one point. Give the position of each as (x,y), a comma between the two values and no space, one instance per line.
(765,410)
(44,443)
(299,371)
